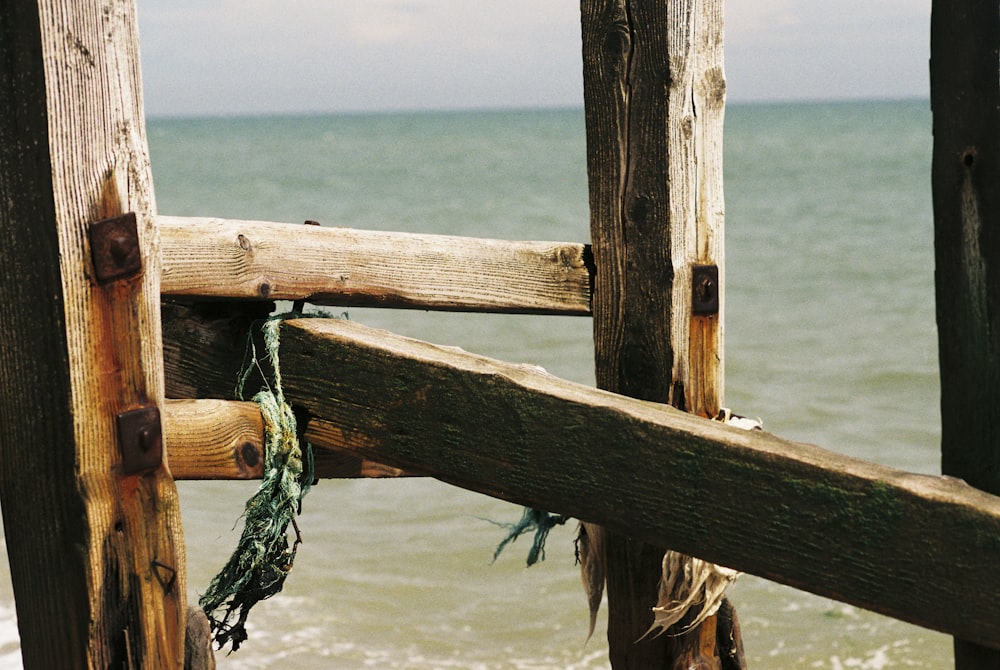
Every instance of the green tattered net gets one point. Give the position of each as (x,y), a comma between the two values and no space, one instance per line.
(263,557)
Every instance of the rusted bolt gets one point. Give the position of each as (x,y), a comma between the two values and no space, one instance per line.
(140,437)
(114,248)
(704,290)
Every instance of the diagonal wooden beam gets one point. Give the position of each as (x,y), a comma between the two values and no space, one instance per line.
(341,266)
(919,548)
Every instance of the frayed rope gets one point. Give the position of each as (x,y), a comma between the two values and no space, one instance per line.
(532,520)
(262,560)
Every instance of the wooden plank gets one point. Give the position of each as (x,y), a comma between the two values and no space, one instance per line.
(96,554)
(214,439)
(654,94)
(965,97)
(218,439)
(916,547)
(204,351)
(340,266)
(632,342)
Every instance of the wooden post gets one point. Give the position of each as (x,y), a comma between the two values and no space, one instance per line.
(965,97)
(94,539)
(654,93)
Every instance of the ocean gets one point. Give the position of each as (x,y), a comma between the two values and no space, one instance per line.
(830,339)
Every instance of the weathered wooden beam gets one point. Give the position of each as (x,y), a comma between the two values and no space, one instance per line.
(93,538)
(654,93)
(214,439)
(965,97)
(340,266)
(918,548)
(205,348)
(218,439)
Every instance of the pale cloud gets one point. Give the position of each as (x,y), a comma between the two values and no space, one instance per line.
(755,21)
(251,56)
(783,49)
(385,23)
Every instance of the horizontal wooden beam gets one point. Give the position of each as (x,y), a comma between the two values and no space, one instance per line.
(919,548)
(345,267)
(213,439)
(219,439)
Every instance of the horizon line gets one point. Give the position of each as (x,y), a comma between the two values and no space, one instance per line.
(488,109)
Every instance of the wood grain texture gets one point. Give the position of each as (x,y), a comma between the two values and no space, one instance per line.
(634,352)
(97,556)
(342,266)
(965,97)
(654,94)
(218,439)
(205,350)
(214,439)
(919,548)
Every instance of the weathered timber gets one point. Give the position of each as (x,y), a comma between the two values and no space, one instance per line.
(654,94)
(919,548)
(205,349)
(965,97)
(345,267)
(207,345)
(214,439)
(218,439)
(96,553)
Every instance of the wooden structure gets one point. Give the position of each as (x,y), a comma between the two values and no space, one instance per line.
(90,510)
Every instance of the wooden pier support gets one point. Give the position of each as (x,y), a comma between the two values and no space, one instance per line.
(965,97)
(90,511)
(654,93)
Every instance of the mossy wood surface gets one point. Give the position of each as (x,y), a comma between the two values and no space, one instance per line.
(919,548)
(96,556)
(342,266)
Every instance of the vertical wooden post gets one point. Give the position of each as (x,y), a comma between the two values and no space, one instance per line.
(654,93)
(965,97)
(94,543)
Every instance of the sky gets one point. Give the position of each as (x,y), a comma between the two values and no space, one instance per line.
(211,57)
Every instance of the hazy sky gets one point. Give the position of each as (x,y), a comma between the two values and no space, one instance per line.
(267,56)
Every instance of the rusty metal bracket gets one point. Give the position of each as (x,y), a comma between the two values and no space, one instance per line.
(114,248)
(704,290)
(140,436)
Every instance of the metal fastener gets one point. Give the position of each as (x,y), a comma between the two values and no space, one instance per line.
(114,248)
(140,436)
(704,290)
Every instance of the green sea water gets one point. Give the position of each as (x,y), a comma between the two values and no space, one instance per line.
(830,339)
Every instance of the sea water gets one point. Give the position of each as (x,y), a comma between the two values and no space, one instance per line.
(830,339)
